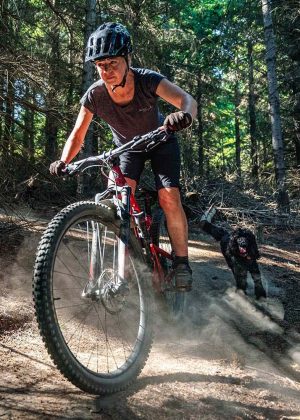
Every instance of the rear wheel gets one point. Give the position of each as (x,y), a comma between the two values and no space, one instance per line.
(175,300)
(98,334)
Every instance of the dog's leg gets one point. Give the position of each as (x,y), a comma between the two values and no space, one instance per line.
(229,260)
(240,275)
(258,286)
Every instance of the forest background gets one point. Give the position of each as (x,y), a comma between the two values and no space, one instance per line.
(240,59)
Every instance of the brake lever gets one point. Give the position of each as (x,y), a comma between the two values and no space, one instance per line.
(70,169)
(157,139)
(151,145)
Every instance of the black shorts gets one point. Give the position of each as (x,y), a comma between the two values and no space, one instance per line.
(165,163)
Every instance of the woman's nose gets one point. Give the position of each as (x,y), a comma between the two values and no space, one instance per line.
(107,68)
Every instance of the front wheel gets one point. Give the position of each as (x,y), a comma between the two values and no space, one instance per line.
(98,334)
(175,300)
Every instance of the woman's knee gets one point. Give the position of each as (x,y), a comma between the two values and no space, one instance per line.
(169,199)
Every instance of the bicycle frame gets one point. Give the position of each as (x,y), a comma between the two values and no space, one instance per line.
(128,208)
(141,219)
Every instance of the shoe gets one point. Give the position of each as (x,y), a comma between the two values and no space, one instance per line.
(183,277)
(259,291)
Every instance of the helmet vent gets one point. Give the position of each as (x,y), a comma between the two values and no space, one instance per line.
(107,44)
(98,46)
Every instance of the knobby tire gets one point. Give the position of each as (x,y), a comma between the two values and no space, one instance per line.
(63,230)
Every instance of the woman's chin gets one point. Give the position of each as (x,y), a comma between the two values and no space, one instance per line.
(111,81)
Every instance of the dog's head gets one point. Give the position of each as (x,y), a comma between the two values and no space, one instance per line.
(243,244)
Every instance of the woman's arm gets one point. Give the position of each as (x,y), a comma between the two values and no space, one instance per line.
(176,96)
(76,138)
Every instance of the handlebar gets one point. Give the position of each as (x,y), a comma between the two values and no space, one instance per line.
(141,143)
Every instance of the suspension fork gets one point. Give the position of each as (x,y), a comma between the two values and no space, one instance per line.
(96,263)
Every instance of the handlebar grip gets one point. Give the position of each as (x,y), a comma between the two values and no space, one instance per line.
(70,169)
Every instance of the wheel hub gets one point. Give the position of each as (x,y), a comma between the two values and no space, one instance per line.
(113,291)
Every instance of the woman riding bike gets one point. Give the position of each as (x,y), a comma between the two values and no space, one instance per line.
(126,98)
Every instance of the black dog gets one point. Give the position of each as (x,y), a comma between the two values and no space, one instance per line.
(241,254)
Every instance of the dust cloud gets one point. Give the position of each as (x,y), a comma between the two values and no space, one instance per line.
(225,325)
(229,354)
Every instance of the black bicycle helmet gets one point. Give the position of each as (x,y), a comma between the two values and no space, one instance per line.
(109,40)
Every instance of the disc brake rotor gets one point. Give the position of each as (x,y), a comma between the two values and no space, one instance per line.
(113,292)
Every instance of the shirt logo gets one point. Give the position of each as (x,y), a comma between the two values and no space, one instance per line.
(148,108)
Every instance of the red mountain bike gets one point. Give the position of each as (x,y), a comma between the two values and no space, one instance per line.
(96,267)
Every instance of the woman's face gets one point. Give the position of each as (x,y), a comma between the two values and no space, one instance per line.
(111,70)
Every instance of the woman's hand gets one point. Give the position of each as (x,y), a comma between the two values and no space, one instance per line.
(57,168)
(178,121)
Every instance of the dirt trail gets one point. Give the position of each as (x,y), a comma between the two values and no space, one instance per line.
(231,358)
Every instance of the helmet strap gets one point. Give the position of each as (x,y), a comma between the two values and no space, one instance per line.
(123,82)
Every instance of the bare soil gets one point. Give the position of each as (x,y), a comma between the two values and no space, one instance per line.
(230,358)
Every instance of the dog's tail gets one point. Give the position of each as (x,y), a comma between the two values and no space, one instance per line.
(209,214)
(216,232)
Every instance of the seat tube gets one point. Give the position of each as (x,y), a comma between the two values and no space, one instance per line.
(123,239)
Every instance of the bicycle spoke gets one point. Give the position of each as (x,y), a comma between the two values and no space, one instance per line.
(100,340)
(72,306)
(76,327)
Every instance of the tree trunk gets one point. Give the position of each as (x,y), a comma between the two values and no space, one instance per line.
(277,139)
(187,169)
(252,118)
(70,81)
(135,9)
(8,121)
(289,19)
(87,80)
(237,117)
(2,109)
(28,142)
(294,54)
(200,129)
(296,115)
(52,114)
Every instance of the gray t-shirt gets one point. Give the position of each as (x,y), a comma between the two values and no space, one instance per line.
(138,117)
